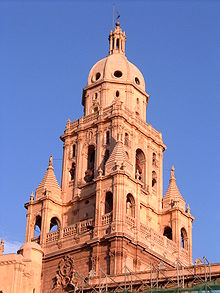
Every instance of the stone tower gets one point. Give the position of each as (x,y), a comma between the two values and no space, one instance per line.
(109,213)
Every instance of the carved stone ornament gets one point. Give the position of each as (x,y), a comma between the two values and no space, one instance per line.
(64,275)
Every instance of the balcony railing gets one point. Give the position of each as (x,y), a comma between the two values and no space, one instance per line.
(86,225)
(107,219)
(70,230)
(78,228)
(130,221)
(52,236)
(146,234)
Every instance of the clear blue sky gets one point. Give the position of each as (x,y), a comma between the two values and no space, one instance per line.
(46,51)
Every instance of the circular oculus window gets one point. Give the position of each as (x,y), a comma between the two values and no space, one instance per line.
(97,76)
(137,81)
(118,73)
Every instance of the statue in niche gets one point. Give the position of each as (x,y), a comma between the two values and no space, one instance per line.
(72,171)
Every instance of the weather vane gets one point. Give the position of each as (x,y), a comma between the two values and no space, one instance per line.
(118,15)
(113,15)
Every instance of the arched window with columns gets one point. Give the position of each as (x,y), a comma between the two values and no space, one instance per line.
(154,180)
(37,226)
(108,202)
(107,138)
(184,240)
(89,174)
(130,205)
(140,165)
(126,139)
(54,224)
(168,232)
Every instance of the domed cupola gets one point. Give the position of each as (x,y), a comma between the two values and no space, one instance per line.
(115,77)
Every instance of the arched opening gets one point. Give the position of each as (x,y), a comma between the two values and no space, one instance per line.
(73,171)
(37,227)
(130,205)
(74,150)
(126,138)
(107,137)
(117,94)
(184,243)
(154,179)
(168,233)
(54,224)
(108,202)
(117,43)
(140,165)
(154,159)
(95,110)
(89,174)
(106,156)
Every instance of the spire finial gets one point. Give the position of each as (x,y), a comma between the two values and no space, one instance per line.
(68,124)
(51,161)
(172,175)
(188,209)
(2,247)
(32,196)
(117,19)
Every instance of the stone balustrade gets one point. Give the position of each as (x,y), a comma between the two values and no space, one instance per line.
(70,230)
(171,244)
(107,219)
(146,234)
(157,241)
(130,221)
(52,236)
(86,225)
(184,253)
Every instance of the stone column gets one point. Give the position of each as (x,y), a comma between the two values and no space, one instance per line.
(98,208)
(65,171)
(78,164)
(189,235)
(137,209)
(29,225)
(99,149)
(96,259)
(119,200)
(45,226)
(175,228)
(160,191)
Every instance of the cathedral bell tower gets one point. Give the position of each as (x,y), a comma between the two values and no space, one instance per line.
(109,213)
